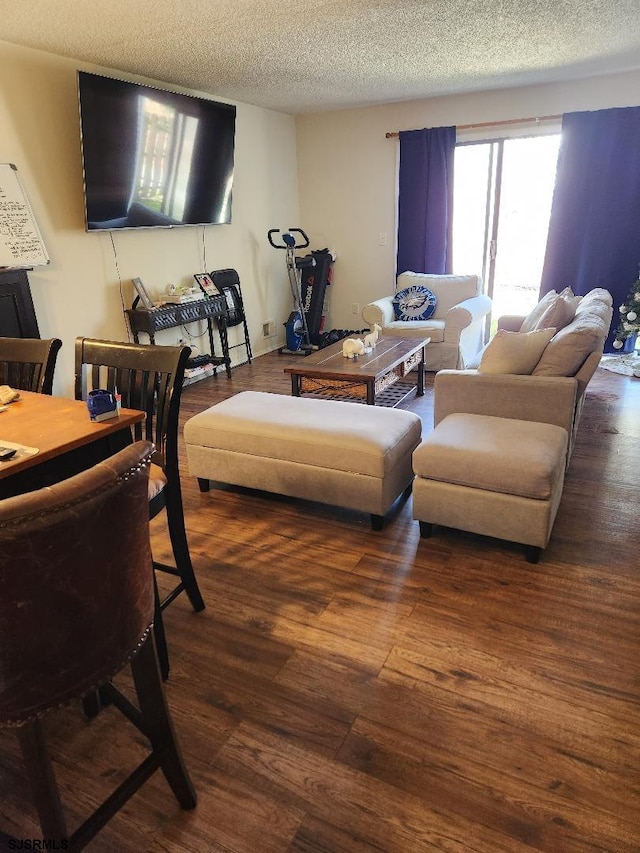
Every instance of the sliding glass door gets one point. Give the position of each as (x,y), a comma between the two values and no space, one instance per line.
(502,201)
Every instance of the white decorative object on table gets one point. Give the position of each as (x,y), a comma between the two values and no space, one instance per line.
(351,347)
(371,339)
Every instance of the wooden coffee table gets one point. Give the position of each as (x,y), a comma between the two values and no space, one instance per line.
(327,373)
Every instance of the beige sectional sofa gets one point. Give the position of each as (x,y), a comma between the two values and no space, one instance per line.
(503,434)
(553,392)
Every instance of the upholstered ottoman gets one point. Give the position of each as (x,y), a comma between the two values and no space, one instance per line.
(494,476)
(345,454)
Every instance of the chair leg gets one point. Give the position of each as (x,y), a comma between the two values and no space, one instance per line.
(247,341)
(157,723)
(159,634)
(91,705)
(43,782)
(178,536)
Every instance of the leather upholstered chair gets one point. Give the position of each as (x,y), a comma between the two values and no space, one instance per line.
(76,605)
(27,364)
(149,378)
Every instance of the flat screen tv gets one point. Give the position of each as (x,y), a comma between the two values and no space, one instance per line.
(153,158)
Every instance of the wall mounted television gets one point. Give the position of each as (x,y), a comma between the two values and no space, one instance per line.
(153,158)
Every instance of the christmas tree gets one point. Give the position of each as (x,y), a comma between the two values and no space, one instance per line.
(629,317)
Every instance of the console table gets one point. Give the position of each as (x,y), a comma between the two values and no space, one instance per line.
(170,316)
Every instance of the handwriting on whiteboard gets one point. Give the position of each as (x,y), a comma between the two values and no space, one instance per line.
(20,240)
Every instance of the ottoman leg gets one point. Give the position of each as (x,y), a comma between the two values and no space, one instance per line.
(203,484)
(532,553)
(377,522)
(426,529)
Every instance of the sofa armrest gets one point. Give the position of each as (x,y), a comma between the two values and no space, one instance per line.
(380,312)
(463,315)
(510,322)
(545,399)
(584,375)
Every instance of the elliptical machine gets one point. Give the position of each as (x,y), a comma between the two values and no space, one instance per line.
(296,328)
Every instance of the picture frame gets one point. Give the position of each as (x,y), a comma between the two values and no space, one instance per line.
(206,284)
(142,294)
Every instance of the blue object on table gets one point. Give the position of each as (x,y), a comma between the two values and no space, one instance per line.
(102,405)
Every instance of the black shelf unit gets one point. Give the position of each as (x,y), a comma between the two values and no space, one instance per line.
(179,314)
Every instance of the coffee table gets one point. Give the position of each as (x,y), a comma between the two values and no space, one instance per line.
(327,373)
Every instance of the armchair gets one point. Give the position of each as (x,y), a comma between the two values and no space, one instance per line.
(456,327)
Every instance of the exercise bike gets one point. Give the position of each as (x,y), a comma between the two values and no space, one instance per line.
(298,340)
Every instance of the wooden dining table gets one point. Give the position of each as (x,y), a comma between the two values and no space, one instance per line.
(66,439)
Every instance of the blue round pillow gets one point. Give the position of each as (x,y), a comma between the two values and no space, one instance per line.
(414,303)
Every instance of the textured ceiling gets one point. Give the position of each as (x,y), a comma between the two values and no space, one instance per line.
(306,56)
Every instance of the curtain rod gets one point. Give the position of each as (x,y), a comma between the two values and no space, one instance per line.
(536,120)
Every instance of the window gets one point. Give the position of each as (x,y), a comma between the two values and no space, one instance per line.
(502,202)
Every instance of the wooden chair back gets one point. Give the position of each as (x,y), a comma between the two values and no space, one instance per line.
(28,364)
(148,378)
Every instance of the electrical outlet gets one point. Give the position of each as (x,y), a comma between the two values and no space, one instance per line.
(382,238)
(268,328)
(355,307)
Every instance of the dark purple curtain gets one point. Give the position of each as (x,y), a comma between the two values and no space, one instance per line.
(425,200)
(594,230)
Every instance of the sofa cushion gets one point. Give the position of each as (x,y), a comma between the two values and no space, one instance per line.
(414,303)
(570,297)
(530,322)
(504,455)
(433,329)
(554,311)
(514,352)
(558,313)
(568,349)
(597,300)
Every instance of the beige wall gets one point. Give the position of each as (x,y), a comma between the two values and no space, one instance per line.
(347,171)
(79,292)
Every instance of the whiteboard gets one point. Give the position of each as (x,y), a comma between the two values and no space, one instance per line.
(20,240)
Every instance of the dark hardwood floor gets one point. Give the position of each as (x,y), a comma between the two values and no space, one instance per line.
(347,690)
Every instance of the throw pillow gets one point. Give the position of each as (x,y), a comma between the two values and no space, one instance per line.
(570,296)
(530,321)
(566,354)
(558,313)
(414,303)
(514,352)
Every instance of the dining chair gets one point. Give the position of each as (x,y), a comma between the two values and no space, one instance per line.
(76,606)
(28,364)
(149,378)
